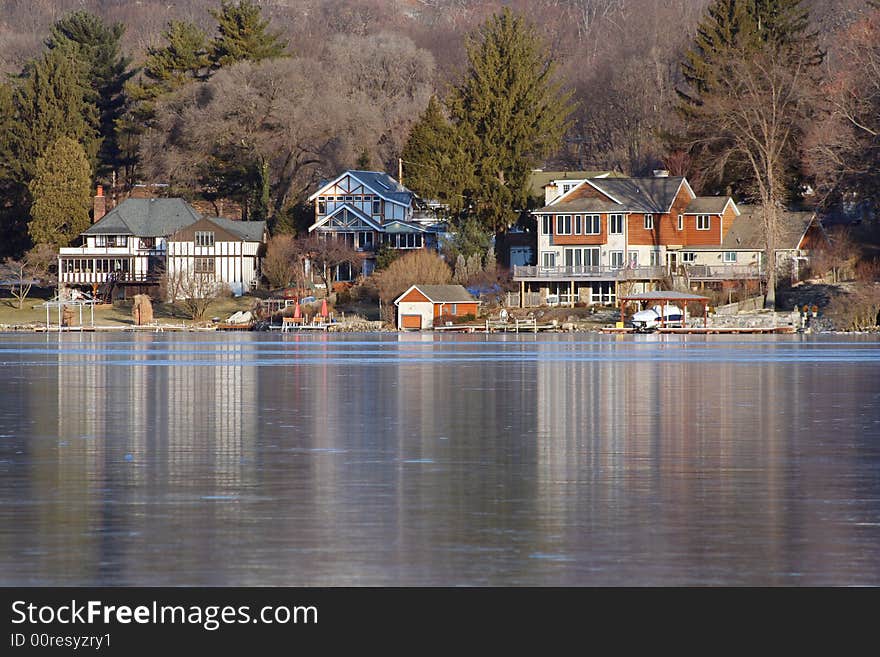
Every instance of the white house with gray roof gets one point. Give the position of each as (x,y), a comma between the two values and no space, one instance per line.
(140,240)
(367,209)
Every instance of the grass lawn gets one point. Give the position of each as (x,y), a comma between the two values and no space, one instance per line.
(119,315)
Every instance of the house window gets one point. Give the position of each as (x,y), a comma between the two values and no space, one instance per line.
(546,224)
(349,199)
(615,224)
(730,256)
(592,224)
(204,238)
(548,259)
(633,259)
(578,226)
(688,257)
(681,222)
(100,240)
(655,258)
(453,309)
(616,259)
(588,257)
(365,240)
(603,293)
(563,224)
(566,189)
(203,265)
(649,222)
(703,222)
(147,243)
(377,206)
(322,205)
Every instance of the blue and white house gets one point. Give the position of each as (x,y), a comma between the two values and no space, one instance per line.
(367,209)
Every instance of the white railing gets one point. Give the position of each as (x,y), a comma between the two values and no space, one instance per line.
(722,272)
(523,272)
(693,272)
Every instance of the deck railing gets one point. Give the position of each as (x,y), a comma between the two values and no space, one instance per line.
(693,272)
(586,272)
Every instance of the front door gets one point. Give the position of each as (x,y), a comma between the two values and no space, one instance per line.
(671,260)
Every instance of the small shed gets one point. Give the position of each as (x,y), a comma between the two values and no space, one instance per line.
(421,305)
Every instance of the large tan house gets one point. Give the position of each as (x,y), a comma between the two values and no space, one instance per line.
(643,231)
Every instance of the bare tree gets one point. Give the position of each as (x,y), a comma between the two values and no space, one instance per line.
(325,255)
(843,148)
(757,121)
(29,270)
(195,292)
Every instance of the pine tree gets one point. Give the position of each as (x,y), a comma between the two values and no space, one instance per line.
(61,192)
(49,104)
(13,193)
(183,58)
(105,71)
(732,29)
(242,35)
(437,164)
(511,113)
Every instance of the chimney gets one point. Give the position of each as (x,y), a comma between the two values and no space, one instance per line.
(661,173)
(551,191)
(100,205)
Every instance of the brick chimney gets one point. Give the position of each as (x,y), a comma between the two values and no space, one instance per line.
(100,205)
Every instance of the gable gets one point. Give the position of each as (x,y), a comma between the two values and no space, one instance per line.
(585,190)
(356,183)
(346,217)
(188,233)
(414,295)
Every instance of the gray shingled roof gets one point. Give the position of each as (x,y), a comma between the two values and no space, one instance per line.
(707,205)
(384,184)
(653,195)
(446,293)
(145,217)
(249,231)
(747,230)
(583,205)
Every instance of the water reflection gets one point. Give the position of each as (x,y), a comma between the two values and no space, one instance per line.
(418,459)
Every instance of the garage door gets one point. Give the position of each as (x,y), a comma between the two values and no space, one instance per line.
(411,321)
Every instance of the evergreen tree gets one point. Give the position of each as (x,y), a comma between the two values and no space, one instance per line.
(183,58)
(437,164)
(243,35)
(733,29)
(49,104)
(61,192)
(13,194)
(731,33)
(511,114)
(104,73)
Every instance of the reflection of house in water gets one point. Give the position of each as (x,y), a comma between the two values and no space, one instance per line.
(175,415)
(647,421)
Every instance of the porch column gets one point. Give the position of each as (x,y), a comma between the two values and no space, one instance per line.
(571,292)
(522,294)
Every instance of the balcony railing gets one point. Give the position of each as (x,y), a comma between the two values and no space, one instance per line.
(587,273)
(693,272)
(723,272)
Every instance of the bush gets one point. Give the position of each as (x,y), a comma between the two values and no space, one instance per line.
(856,310)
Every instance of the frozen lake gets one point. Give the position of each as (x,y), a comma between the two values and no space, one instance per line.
(327,460)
